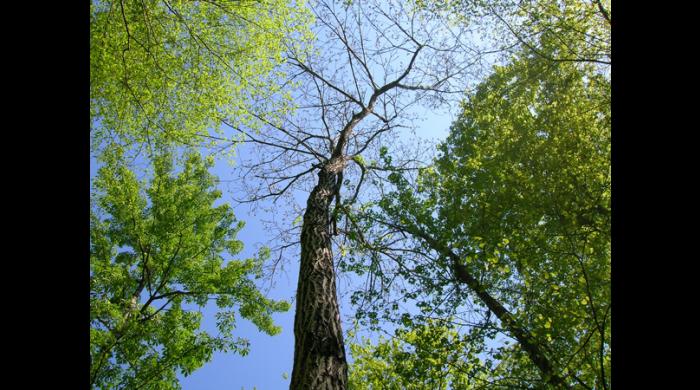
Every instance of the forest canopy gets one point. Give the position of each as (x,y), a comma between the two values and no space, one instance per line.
(478,261)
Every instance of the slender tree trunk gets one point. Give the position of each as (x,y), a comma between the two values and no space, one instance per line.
(527,342)
(535,351)
(319,351)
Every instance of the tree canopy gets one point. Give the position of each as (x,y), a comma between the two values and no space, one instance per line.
(173,69)
(158,254)
(518,202)
(490,258)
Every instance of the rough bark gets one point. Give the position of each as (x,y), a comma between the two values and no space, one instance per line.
(319,351)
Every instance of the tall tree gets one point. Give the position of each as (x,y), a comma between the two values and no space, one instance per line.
(377,59)
(517,210)
(157,253)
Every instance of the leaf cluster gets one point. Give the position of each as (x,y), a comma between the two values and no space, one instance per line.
(427,356)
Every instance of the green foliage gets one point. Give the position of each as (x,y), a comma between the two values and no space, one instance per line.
(157,250)
(521,191)
(171,69)
(430,356)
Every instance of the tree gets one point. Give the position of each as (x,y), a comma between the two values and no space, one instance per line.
(157,255)
(516,209)
(377,60)
(171,69)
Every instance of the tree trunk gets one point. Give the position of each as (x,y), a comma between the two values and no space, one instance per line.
(319,351)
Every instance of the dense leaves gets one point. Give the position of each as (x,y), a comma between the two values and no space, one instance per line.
(431,356)
(524,192)
(158,254)
(171,69)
